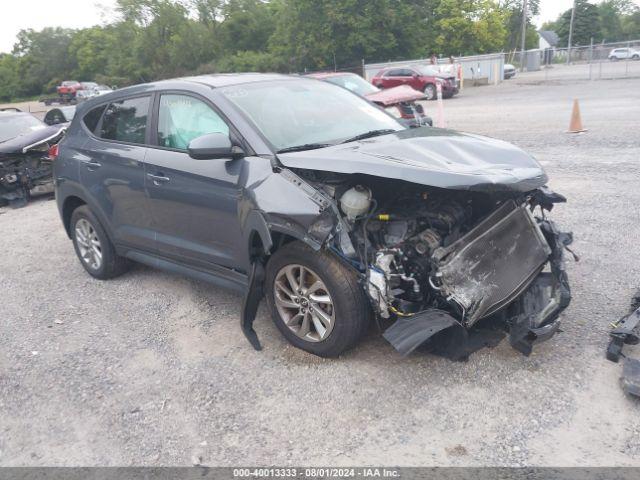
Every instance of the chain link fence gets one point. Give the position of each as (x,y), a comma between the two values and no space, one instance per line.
(591,62)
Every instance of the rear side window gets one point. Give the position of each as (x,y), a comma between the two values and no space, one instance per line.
(182,118)
(126,120)
(92,118)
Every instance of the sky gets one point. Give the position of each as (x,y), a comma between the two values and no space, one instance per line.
(37,14)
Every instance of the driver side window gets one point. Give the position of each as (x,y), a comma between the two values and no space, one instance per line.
(181,118)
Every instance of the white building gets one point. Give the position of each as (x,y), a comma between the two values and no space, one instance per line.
(547,39)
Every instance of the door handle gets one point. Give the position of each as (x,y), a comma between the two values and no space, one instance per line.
(158,179)
(92,165)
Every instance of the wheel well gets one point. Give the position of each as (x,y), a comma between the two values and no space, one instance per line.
(70,204)
(256,247)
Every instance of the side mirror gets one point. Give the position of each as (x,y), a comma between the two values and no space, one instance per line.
(212,146)
(415,75)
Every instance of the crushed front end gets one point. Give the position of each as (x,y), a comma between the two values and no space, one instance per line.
(454,270)
(26,167)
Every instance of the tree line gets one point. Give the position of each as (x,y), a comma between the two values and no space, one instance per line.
(155,39)
(608,21)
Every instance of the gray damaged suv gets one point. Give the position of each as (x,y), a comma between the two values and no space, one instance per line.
(301,192)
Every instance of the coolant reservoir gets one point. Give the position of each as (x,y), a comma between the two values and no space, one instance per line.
(355,202)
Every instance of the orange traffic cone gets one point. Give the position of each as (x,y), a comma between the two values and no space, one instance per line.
(575,126)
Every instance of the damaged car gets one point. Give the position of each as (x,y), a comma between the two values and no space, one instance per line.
(25,160)
(400,101)
(308,196)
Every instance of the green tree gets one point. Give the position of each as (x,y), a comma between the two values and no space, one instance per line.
(468,27)
(91,49)
(586,24)
(42,59)
(9,79)
(631,25)
(513,10)
(315,35)
(610,20)
(247,25)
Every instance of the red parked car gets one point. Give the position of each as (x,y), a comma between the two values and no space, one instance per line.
(421,77)
(68,88)
(401,102)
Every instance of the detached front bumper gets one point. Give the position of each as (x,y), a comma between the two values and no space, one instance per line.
(506,276)
(449,90)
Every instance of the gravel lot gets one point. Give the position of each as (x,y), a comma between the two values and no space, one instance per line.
(152,368)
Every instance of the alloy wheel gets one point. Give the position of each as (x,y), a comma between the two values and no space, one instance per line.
(88,244)
(304,302)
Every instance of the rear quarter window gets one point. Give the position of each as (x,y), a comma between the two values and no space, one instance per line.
(92,118)
(126,120)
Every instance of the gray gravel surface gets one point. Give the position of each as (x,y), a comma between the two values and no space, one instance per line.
(152,368)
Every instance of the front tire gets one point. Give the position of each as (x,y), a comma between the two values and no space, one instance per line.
(315,301)
(93,247)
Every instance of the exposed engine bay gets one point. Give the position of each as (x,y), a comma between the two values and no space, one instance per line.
(26,165)
(25,175)
(441,260)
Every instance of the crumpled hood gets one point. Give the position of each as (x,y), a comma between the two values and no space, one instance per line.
(31,139)
(392,96)
(430,156)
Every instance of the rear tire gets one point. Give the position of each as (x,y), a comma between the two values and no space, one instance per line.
(93,247)
(332,303)
(635,57)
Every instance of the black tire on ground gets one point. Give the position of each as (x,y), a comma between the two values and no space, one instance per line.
(635,57)
(112,265)
(352,310)
(430,91)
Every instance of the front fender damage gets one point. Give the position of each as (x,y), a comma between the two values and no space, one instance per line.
(313,219)
(453,270)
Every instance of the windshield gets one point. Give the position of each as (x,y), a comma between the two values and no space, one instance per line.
(299,112)
(355,83)
(427,71)
(14,125)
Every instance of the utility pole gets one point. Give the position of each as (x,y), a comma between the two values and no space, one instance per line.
(573,16)
(524,34)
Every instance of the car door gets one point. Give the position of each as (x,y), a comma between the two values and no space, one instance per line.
(392,78)
(194,203)
(112,168)
(413,80)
